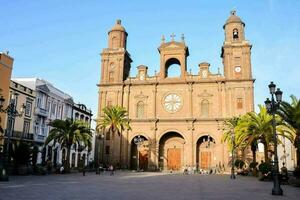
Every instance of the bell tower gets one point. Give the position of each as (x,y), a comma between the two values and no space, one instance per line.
(236,50)
(173,52)
(115,62)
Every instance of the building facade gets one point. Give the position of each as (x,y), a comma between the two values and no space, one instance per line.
(23,125)
(52,103)
(179,118)
(6,65)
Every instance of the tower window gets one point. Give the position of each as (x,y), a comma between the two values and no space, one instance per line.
(235,34)
(109,103)
(111,77)
(173,68)
(239,103)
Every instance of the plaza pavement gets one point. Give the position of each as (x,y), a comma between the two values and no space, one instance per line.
(139,186)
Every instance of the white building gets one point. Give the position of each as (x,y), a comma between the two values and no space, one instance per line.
(51,104)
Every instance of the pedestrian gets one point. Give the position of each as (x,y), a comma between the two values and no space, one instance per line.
(49,165)
(111,169)
(194,169)
(189,170)
(185,170)
(62,169)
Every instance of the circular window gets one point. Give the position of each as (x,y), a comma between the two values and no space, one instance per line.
(172,103)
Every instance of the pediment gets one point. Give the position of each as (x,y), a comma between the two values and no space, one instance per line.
(205,94)
(141,96)
(43,88)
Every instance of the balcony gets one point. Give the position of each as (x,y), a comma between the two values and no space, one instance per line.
(40,133)
(41,111)
(18,135)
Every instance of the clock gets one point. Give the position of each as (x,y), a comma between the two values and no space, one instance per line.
(112,65)
(172,103)
(238,69)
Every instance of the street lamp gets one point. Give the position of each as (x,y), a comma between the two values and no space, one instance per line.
(138,141)
(272,105)
(232,176)
(12,113)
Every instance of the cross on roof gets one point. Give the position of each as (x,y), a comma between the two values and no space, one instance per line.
(172,36)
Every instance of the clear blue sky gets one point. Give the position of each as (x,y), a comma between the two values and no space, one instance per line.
(60,41)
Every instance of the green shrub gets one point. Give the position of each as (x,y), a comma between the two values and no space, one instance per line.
(253,165)
(265,168)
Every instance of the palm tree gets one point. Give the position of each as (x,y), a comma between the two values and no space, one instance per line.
(115,120)
(290,113)
(67,133)
(232,134)
(231,127)
(258,126)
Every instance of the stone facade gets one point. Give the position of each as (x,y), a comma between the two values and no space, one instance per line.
(179,118)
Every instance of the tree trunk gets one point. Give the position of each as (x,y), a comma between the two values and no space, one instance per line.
(67,162)
(253,149)
(253,156)
(266,153)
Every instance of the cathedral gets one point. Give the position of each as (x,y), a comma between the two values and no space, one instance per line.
(177,121)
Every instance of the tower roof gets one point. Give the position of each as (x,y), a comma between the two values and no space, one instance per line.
(233,18)
(118,26)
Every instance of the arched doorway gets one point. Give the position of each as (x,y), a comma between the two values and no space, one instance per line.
(139,154)
(205,152)
(171,151)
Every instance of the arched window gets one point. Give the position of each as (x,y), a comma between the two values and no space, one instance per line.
(235,34)
(115,42)
(140,109)
(111,76)
(204,108)
(173,68)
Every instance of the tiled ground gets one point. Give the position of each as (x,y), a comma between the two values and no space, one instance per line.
(136,186)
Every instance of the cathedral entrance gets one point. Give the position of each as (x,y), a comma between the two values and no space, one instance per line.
(171,151)
(174,159)
(205,151)
(139,154)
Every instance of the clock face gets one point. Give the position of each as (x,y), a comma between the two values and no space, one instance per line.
(112,65)
(172,103)
(238,69)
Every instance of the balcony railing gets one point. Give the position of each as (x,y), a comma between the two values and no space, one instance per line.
(41,112)
(20,135)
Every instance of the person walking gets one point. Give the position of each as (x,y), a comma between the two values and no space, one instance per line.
(111,169)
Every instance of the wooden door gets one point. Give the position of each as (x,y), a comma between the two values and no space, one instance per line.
(205,160)
(174,159)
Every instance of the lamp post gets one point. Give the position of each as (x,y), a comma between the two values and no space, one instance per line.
(272,105)
(138,141)
(12,113)
(232,176)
